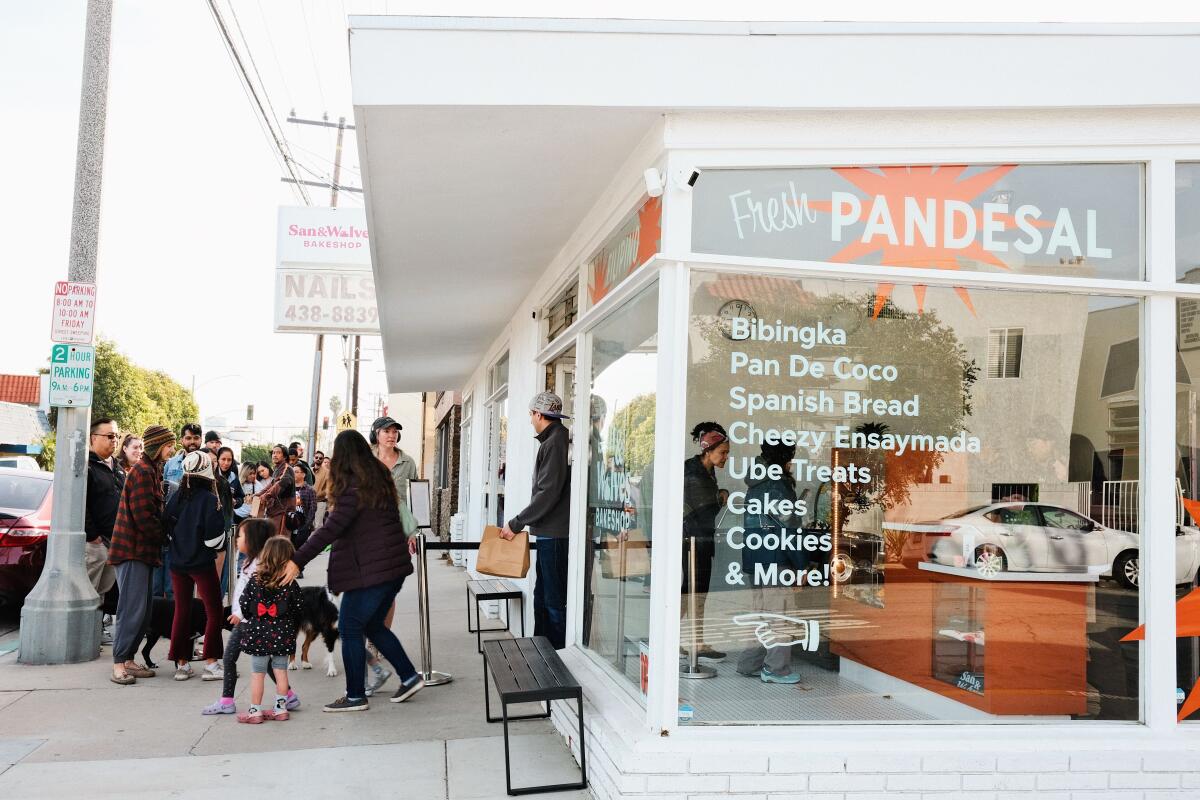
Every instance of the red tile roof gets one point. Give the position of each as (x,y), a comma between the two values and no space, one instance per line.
(26,389)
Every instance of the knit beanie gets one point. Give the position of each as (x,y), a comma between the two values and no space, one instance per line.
(154,438)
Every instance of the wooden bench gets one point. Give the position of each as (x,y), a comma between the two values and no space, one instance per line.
(492,589)
(530,671)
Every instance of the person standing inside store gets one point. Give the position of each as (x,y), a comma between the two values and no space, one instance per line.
(548,517)
(105,480)
(368,563)
(773,665)
(136,549)
(702,499)
(189,442)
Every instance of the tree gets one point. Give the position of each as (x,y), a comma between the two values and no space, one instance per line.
(632,433)
(254,453)
(136,397)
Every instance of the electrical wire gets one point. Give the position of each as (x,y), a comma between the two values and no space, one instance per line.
(327,160)
(275,55)
(280,146)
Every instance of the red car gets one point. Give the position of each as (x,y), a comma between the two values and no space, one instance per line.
(25,497)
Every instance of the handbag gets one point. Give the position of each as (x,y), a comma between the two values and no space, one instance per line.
(503,558)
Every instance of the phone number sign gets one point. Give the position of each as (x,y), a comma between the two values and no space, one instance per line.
(72,374)
(325,301)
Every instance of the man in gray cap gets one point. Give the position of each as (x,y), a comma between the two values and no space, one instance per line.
(548,516)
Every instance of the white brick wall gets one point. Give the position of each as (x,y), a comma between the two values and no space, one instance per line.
(620,769)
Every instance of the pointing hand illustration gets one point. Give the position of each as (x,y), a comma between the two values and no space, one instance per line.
(778,630)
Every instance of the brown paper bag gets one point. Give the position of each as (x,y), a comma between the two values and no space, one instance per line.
(625,559)
(256,506)
(503,558)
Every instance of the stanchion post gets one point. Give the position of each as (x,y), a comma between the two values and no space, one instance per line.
(693,669)
(431,676)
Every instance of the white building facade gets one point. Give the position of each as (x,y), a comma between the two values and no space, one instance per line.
(933,286)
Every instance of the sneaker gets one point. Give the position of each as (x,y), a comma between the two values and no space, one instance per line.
(293,702)
(346,704)
(184,672)
(278,715)
(138,671)
(708,654)
(408,688)
(213,672)
(378,678)
(766,676)
(219,708)
(252,717)
(106,637)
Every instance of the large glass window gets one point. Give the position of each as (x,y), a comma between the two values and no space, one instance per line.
(620,481)
(1077,220)
(875,531)
(1187,241)
(1187,531)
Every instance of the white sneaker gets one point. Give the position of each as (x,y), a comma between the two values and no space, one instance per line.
(377,679)
(213,672)
(184,672)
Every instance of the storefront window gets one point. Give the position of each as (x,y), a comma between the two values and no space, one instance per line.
(1187,240)
(1187,533)
(631,245)
(620,474)
(1076,220)
(909,503)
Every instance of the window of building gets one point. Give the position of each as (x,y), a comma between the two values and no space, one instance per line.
(831,580)
(498,375)
(1187,514)
(1004,352)
(562,311)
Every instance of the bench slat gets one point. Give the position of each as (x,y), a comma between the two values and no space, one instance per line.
(518,666)
(554,662)
(537,664)
(528,670)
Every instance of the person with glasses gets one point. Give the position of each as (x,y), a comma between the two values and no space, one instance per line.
(105,480)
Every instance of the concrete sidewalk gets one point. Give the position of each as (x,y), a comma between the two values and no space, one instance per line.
(150,740)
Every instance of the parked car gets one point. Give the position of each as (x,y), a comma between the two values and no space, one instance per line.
(1036,537)
(25,497)
(20,462)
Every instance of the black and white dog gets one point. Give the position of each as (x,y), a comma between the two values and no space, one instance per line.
(318,617)
(162,617)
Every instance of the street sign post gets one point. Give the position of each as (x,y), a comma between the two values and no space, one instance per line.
(73,320)
(72,375)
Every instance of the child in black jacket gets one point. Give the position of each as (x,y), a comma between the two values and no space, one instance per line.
(270,616)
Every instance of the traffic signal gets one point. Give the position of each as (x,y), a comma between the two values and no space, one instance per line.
(324,423)
(250,412)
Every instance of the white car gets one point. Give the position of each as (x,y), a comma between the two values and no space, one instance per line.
(1035,537)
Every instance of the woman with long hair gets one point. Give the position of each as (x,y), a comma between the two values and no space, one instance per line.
(130,452)
(701,503)
(368,563)
(196,524)
(280,497)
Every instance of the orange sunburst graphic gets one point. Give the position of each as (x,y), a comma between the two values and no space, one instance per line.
(890,195)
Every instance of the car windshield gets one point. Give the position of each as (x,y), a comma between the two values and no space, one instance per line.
(965,512)
(21,492)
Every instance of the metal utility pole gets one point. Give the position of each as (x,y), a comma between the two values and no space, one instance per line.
(314,408)
(60,621)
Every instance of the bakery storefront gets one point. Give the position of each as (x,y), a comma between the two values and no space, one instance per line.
(885,434)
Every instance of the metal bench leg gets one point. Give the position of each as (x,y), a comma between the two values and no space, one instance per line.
(478,626)
(582,746)
(469,601)
(556,787)
(507,758)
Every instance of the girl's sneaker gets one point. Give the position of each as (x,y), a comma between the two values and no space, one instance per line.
(275,714)
(293,701)
(219,708)
(251,717)
(213,672)
(378,678)
(184,672)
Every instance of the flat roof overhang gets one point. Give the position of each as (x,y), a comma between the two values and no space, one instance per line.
(485,142)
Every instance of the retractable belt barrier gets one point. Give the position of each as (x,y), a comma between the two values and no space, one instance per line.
(431,676)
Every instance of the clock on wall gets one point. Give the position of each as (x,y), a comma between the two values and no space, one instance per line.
(733,310)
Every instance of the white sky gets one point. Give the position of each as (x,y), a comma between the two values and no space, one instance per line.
(191,186)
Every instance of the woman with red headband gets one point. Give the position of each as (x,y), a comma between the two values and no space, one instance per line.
(701,504)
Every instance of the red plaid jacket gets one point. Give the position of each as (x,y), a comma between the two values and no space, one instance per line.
(138,533)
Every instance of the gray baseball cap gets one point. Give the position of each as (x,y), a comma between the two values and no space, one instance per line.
(548,404)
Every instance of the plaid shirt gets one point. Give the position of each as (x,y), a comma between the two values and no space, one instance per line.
(138,532)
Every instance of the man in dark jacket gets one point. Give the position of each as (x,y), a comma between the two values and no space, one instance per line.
(105,479)
(548,516)
(136,549)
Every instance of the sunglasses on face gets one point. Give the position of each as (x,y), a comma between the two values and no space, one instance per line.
(112,437)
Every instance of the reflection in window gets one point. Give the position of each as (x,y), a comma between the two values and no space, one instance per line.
(620,488)
(1187,514)
(900,539)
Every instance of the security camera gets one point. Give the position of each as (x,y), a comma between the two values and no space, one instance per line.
(685,179)
(654,182)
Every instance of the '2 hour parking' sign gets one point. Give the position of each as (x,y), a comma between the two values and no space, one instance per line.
(72,373)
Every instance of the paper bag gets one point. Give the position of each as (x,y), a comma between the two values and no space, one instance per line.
(256,506)
(628,558)
(503,558)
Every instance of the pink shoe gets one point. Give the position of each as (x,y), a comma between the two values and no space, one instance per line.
(255,718)
(277,716)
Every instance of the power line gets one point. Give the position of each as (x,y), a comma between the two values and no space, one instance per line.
(288,161)
(275,55)
(313,55)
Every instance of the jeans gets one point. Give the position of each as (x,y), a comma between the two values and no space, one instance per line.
(162,576)
(133,608)
(550,591)
(362,614)
(209,588)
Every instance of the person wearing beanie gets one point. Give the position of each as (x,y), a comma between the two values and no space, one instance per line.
(136,549)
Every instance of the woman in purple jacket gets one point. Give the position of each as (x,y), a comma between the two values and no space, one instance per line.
(368,563)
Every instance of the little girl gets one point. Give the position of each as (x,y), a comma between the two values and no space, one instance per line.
(252,535)
(270,613)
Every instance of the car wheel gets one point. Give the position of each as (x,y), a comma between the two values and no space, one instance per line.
(1127,569)
(990,560)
